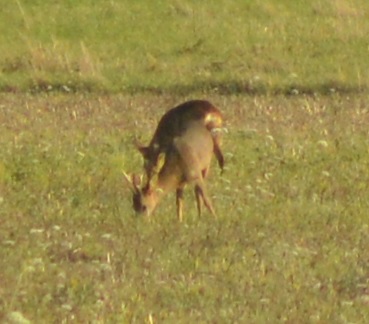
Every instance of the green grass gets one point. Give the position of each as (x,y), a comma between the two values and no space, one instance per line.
(80,80)
(181,46)
(289,244)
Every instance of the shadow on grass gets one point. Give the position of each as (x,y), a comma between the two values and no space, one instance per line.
(244,88)
(224,88)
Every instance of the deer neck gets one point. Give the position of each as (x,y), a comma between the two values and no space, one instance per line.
(169,180)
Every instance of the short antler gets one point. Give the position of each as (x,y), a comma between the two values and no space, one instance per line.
(134,181)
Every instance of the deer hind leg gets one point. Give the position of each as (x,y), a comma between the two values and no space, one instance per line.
(179,203)
(201,196)
(199,191)
(199,199)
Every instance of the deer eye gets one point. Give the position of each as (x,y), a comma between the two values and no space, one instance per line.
(136,203)
(146,164)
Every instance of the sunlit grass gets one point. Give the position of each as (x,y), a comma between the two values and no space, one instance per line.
(289,244)
(227,46)
(291,238)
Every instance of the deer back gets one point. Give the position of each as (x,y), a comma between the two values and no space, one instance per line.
(176,120)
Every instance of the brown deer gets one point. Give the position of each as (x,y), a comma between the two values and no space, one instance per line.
(186,159)
(174,122)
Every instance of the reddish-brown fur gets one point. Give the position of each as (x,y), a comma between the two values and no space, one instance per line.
(174,123)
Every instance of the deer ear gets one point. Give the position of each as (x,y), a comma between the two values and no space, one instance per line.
(144,150)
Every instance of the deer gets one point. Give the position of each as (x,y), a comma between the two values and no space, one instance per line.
(185,160)
(174,122)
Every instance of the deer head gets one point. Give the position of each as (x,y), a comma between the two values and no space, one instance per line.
(145,197)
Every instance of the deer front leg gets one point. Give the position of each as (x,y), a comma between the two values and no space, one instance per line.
(179,203)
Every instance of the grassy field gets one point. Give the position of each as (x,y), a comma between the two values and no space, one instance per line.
(80,80)
(290,243)
(181,46)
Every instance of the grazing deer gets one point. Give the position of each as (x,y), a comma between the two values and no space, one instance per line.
(174,123)
(185,160)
